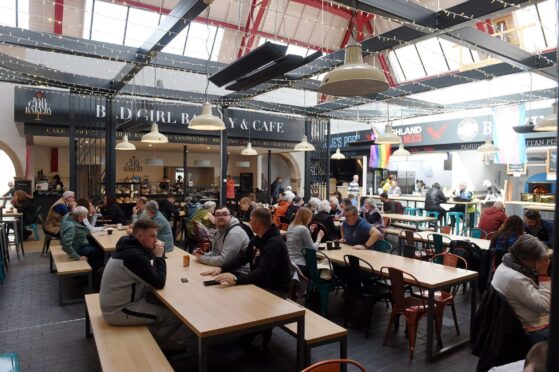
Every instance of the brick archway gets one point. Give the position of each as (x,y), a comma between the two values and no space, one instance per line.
(14,158)
(294,172)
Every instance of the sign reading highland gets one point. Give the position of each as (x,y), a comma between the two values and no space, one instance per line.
(57,107)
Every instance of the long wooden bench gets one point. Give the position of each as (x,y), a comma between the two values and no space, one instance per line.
(66,267)
(319,331)
(130,348)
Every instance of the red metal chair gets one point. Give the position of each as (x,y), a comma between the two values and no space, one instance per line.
(411,307)
(333,365)
(202,236)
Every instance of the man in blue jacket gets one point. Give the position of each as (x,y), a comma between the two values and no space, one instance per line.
(538,227)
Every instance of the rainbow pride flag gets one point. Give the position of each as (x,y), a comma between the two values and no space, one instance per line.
(379,155)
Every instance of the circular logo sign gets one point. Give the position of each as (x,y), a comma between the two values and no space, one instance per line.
(468,129)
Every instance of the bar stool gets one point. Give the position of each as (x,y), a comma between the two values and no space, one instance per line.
(410,211)
(430,214)
(12,223)
(458,216)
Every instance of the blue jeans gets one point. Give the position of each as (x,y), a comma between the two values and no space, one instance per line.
(537,336)
(95,256)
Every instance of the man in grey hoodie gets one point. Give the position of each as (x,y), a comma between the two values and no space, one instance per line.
(229,241)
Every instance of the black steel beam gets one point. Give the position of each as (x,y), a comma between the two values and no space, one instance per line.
(223,161)
(396,9)
(99,50)
(180,17)
(110,152)
(495,47)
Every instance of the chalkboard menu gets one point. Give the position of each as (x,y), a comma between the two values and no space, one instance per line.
(516,168)
(24,185)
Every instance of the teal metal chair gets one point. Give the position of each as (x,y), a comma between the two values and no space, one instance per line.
(438,244)
(9,362)
(34,226)
(383,246)
(474,232)
(321,286)
(434,214)
(458,217)
(410,211)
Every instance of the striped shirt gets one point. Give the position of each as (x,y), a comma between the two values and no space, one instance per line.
(353,188)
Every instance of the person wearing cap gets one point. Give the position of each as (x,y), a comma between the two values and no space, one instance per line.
(58,210)
(164,231)
(523,281)
(289,192)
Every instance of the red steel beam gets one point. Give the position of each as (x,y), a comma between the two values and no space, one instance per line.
(256,24)
(328,7)
(58,16)
(248,29)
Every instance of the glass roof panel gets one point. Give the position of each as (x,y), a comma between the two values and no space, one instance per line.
(23,14)
(176,46)
(141,24)
(200,40)
(432,56)
(8,13)
(108,22)
(529,35)
(290,96)
(456,55)
(395,67)
(410,62)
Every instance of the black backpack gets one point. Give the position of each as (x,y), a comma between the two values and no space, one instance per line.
(243,226)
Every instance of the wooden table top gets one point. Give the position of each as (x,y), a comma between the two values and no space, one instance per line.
(106,241)
(409,218)
(422,199)
(548,207)
(11,214)
(215,310)
(430,275)
(482,243)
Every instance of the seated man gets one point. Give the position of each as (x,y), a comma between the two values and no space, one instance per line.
(129,276)
(492,218)
(164,231)
(139,210)
(538,227)
(270,267)
(58,210)
(358,232)
(73,237)
(461,194)
(168,209)
(229,241)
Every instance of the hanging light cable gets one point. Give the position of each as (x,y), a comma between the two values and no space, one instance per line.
(154,136)
(338,155)
(401,153)
(389,137)
(249,151)
(206,120)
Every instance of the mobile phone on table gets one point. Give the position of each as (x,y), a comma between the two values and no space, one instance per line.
(211,282)
(184,280)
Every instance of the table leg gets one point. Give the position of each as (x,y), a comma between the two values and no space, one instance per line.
(430,323)
(300,343)
(21,236)
(343,352)
(202,355)
(466,220)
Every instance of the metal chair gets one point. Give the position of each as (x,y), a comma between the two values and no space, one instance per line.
(411,307)
(410,211)
(477,233)
(437,244)
(33,225)
(458,216)
(202,236)
(333,365)
(322,286)
(48,235)
(383,246)
(362,284)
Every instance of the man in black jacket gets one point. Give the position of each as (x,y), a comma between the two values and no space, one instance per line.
(434,199)
(168,209)
(128,278)
(267,255)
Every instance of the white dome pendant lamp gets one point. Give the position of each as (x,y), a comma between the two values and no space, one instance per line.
(154,136)
(125,145)
(206,120)
(304,145)
(337,155)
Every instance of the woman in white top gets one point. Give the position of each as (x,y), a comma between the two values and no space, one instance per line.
(522,279)
(394,189)
(299,237)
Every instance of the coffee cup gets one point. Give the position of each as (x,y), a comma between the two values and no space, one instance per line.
(110,232)
(329,246)
(337,244)
(119,226)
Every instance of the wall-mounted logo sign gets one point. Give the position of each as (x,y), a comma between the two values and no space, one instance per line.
(132,165)
(468,129)
(38,106)
(437,133)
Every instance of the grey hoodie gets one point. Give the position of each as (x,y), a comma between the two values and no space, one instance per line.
(225,250)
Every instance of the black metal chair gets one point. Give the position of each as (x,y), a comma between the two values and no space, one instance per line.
(48,236)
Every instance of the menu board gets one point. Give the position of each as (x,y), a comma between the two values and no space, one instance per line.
(24,185)
(514,169)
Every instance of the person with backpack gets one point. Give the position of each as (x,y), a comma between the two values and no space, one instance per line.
(390,206)
(229,241)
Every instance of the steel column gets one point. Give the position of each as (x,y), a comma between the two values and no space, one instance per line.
(223,161)
(307,163)
(270,176)
(328,159)
(110,152)
(72,148)
(185,169)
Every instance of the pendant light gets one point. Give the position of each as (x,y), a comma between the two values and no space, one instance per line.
(389,137)
(154,136)
(304,145)
(337,155)
(125,145)
(207,121)
(549,123)
(401,152)
(249,151)
(488,147)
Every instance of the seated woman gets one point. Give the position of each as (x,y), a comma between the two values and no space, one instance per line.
(205,216)
(281,210)
(373,216)
(323,217)
(112,210)
(505,237)
(394,189)
(245,209)
(22,202)
(91,219)
(522,279)
(299,237)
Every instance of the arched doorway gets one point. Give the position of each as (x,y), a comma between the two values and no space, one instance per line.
(8,171)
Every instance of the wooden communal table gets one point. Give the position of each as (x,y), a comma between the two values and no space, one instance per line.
(431,276)
(482,243)
(416,220)
(108,242)
(214,312)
